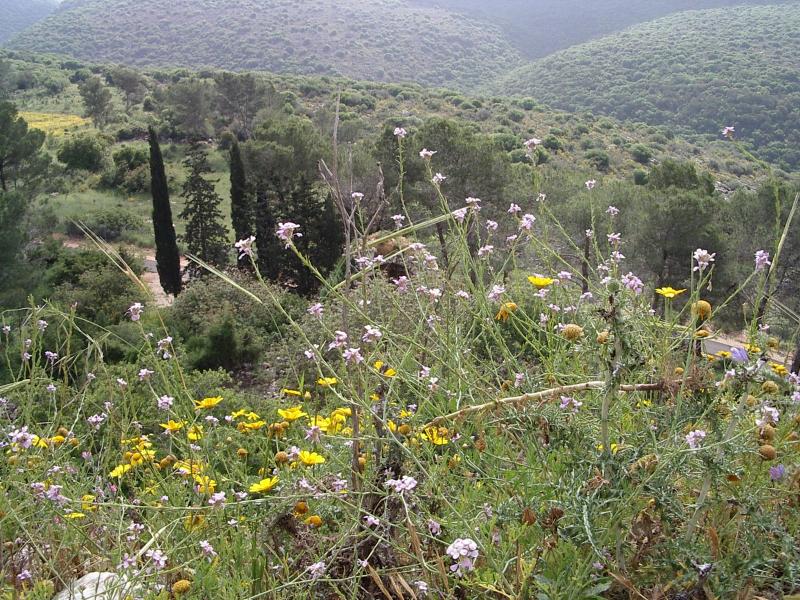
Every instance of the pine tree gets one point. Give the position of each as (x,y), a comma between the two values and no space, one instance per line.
(206,237)
(168,260)
(242,209)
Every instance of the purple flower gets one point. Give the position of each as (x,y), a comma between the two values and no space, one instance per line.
(316,570)
(570,404)
(316,309)
(339,340)
(135,311)
(400,132)
(496,292)
(695,438)
(590,185)
(439,178)
(762,260)
(484,250)
(159,558)
(353,356)
(527,222)
(728,132)
(740,355)
(165,402)
(398,221)
(286,231)
(208,550)
(434,527)
(703,258)
(401,283)
(217,500)
(514,209)
(463,552)
(245,246)
(777,472)
(371,521)
(460,214)
(145,374)
(633,283)
(314,433)
(371,334)
(426,154)
(612,210)
(402,485)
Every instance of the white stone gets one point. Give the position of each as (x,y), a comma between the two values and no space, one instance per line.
(100,586)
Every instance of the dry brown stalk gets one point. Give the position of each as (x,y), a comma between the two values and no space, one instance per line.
(543,395)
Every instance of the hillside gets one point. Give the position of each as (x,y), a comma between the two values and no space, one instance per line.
(384,40)
(540,27)
(695,71)
(16,15)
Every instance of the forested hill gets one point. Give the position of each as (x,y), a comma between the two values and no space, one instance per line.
(383,40)
(16,15)
(540,27)
(694,71)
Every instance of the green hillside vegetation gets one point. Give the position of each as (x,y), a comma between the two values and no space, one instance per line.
(540,27)
(463,347)
(383,40)
(17,15)
(695,71)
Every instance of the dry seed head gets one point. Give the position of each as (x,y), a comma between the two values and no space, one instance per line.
(702,309)
(573,332)
(603,337)
(768,452)
(181,586)
(769,387)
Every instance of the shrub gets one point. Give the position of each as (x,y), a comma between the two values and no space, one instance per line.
(85,152)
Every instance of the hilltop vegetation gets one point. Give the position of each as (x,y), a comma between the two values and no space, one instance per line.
(695,71)
(382,40)
(17,15)
(540,27)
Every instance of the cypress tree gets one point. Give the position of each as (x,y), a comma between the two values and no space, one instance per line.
(168,261)
(242,213)
(271,254)
(206,236)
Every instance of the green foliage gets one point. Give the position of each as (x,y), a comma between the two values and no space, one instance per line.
(242,205)
(641,153)
(18,15)
(683,175)
(694,72)
(210,309)
(313,37)
(84,151)
(96,100)
(167,255)
(19,146)
(205,236)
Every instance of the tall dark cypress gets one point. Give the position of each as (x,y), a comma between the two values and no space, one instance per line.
(271,254)
(168,260)
(242,210)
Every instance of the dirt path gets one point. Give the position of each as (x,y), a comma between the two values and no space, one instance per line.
(150,275)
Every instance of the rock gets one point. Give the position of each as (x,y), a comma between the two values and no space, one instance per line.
(100,586)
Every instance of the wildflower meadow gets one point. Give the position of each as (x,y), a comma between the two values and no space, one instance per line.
(464,411)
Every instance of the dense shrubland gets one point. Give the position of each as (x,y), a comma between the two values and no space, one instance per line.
(429,46)
(17,15)
(736,67)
